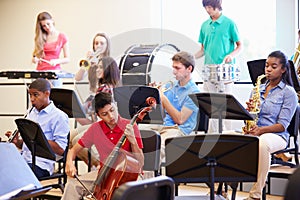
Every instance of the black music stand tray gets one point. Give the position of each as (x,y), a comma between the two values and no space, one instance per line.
(35,140)
(132,98)
(211,158)
(18,180)
(67,101)
(220,106)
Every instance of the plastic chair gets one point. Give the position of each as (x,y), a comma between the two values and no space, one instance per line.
(158,188)
(60,174)
(293,130)
(151,140)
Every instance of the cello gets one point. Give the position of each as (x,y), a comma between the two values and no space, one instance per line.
(118,167)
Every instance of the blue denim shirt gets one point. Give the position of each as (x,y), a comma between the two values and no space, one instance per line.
(278,107)
(55,125)
(178,97)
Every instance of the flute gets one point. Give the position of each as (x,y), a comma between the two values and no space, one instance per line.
(13,135)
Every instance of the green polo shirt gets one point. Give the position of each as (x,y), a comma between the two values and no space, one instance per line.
(218,38)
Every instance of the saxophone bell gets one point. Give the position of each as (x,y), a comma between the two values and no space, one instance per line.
(255,96)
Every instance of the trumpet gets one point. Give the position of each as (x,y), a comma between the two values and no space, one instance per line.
(165,86)
(86,63)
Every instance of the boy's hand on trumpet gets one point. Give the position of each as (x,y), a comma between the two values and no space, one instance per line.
(154,84)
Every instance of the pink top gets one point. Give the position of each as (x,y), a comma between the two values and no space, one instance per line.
(52,51)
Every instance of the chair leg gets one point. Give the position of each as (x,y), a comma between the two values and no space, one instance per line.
(264,194)
(176,189)
(296,151)
(219,190)
(89,160)
(234,187)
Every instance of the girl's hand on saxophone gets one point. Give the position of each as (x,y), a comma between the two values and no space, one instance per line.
(254,130)
(252,105)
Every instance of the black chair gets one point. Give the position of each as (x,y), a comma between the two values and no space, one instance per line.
(151,140)
(158,188)
(34,138)
(203,122)
(293,130)
(292,189)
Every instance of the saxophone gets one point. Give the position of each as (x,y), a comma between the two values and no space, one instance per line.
(256,101)
(296,60)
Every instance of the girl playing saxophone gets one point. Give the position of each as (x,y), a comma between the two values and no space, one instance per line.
(278,102)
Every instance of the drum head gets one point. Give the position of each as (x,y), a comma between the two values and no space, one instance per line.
(143,64)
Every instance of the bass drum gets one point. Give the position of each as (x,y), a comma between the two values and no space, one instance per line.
(144,64)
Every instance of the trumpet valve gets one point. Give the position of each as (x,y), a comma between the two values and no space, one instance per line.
(163,87)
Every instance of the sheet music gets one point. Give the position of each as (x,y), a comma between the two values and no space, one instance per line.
(17,191)
(16,174)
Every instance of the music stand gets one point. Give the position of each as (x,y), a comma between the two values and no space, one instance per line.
(18,180)
(35,140)
(212,158)
(67,101)
(220,106)
(132,98)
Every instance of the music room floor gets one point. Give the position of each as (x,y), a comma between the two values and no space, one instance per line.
(186,190)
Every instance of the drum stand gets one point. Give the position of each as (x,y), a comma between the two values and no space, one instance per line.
(220,86)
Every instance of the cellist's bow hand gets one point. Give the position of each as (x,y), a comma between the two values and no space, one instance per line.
(71,169)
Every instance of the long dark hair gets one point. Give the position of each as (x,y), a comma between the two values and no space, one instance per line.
(111,72)
(286,76)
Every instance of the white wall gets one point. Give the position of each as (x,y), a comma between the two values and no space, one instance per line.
(127,22)
(81,19)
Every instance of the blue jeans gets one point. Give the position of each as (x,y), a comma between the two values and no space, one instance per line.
(39,172)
